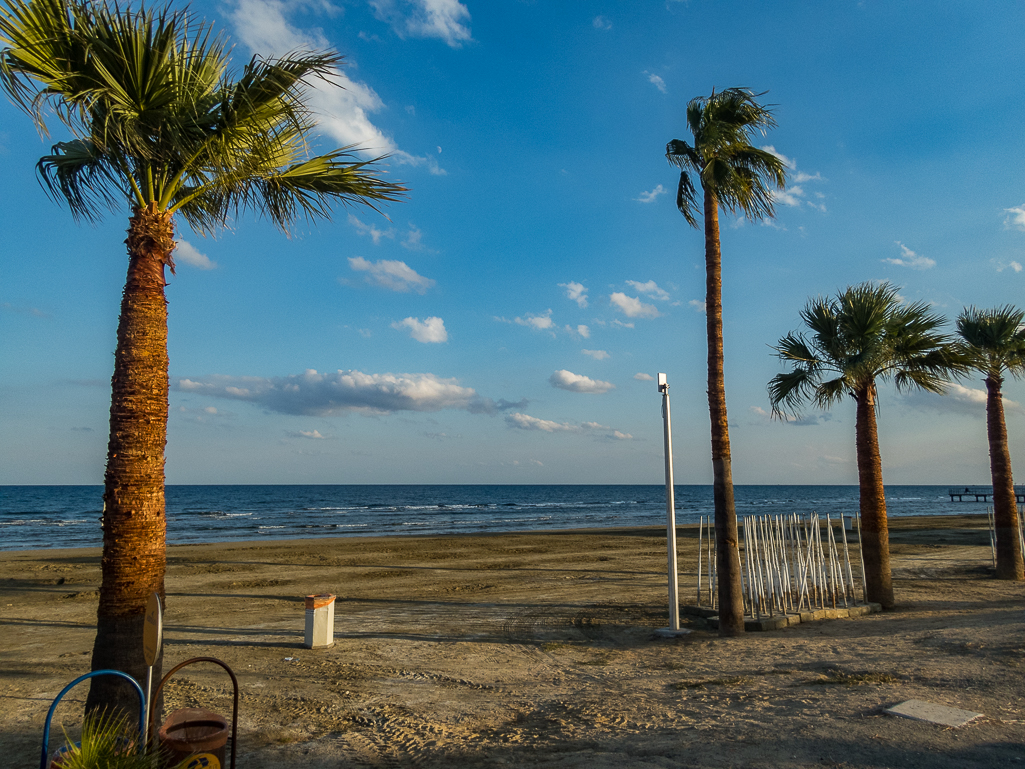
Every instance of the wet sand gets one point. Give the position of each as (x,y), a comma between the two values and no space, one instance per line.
(539,650)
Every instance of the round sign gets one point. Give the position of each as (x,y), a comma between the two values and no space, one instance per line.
(203,761)
(153,630)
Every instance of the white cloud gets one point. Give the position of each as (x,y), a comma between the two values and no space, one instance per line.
(1015,218)
(577,383)
(413,239)
(789,197)
(315,394)
(584,331)
(369,229)
(620,324)
(632,307)
(650,289)
(809,420)
(390,274)
(537,322)
(575,292)
(697,304)
(600,22)
(443,19)
(759,411)
(788,162)
(649,197)
(431,330)
(794,196)
(310,434)
(527,422)
(656,81)
(1001,266)
(522,421)
(596,354)
(909,258)
(198,415)
(640,376)
(969,395)
(186,252)
(33,312)
(342,104)
(959,399)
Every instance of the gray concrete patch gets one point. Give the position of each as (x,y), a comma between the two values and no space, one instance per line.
(920,710)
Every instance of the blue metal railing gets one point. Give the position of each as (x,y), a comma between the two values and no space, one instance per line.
(44,756)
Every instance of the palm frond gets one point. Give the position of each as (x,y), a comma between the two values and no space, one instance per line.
(156,117)
(310,187)
(685,199)
(80,174)
(791,390)
(42,57)
(863,334)
(832,391)
(993,340)
(683,156)
(739,175)
(305,189)
(794,347)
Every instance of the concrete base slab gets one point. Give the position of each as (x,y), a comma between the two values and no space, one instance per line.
(699,611)
(920,710)
(668,632)
(780,621)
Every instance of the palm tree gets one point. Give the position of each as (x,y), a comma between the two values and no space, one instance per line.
(158,125)
(737,176)
(864,334)
(994,344)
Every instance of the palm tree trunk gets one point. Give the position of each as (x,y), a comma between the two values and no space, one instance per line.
(134,525)
(875,534)
(1005,506)
(731,594)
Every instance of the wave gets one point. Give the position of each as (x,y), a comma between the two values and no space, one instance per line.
(44,522)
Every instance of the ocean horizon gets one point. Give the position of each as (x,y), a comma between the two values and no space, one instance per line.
(40,517)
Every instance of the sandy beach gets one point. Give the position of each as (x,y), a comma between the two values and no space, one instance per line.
(539,650)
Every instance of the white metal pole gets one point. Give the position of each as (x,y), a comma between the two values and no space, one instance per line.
(674,602)
(701,554)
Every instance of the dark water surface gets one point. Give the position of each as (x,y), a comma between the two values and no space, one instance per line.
(68,516)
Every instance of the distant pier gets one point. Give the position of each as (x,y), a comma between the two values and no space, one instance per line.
(981,493)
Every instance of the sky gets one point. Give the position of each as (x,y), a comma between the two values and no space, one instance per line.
(506,322)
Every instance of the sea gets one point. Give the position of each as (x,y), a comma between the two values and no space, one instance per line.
(39,517)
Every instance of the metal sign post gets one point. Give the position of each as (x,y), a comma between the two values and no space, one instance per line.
(674,600)
(152,638)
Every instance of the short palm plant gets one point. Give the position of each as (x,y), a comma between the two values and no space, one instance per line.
(993,341)
(864,334)
(161,128)
(107,742)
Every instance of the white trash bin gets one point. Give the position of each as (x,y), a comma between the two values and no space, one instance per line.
(320,621)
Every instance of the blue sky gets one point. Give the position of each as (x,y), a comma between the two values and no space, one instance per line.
(500,326)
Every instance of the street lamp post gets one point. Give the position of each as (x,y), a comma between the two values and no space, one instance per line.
(674,600)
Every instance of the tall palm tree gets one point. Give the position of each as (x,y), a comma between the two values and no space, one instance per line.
(158,125)
(860,336)
(736,176)
(994,344)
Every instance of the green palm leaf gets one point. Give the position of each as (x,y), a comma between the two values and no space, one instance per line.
(740,176)
(862,334)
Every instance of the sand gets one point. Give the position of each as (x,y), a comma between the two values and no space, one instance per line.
(538,650)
